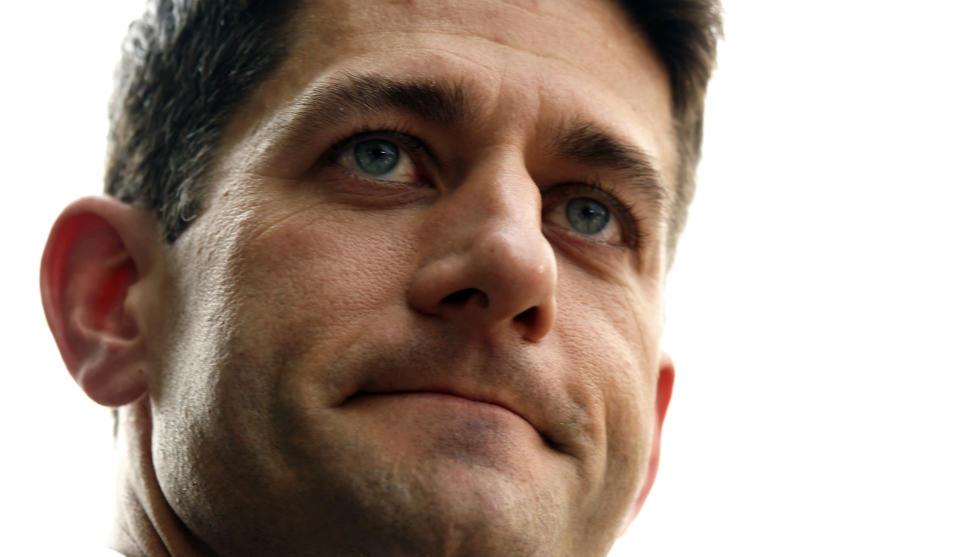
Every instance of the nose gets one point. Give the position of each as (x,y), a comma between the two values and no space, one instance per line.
(490,268)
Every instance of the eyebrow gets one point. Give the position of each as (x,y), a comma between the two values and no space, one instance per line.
(588,145)
(341,98)
(446,104)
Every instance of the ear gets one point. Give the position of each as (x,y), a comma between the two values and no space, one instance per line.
(98,251)
(664,391)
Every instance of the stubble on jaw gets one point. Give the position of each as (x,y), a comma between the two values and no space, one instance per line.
(351,495)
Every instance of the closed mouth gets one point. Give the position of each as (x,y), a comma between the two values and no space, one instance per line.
(466,397)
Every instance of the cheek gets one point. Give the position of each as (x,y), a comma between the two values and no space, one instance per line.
(612,335)
(288,293)
(311,287)
(270,299)
(331,270)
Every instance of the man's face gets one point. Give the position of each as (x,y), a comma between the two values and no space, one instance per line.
(420,313)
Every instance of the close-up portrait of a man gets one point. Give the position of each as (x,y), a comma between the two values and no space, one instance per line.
(385,278)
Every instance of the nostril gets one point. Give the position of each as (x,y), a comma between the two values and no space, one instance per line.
(461,297)
(528,317)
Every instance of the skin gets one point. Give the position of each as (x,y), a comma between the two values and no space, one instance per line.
(437,363)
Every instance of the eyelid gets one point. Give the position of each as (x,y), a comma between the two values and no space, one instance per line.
(413,146)
(419,152)
(629,221)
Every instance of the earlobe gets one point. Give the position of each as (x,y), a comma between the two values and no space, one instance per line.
(98,250)
(664,391)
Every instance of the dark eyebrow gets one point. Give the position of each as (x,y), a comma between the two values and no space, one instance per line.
(446,104)
(589,146)
(349,94)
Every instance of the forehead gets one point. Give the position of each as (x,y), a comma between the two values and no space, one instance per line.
(527,67)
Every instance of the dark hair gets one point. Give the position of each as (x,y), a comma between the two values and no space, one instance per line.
(188,64)
(684,34)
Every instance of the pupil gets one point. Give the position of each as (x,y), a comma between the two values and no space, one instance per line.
(586,215)
(376,156)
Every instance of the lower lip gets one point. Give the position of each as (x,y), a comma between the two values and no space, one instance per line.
(441,400)
(428,407)
(450,423)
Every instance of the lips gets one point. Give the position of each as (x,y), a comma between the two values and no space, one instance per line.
(512,382)
(445,392)
(436,392)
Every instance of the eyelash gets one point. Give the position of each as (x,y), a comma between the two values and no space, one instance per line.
(417,150)
(631,222)
(414,147)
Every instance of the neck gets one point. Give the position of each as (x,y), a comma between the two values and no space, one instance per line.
(146,525)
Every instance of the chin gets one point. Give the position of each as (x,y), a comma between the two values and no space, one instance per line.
(470,519)
(395,503)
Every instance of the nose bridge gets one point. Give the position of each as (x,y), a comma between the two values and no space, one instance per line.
(502,211)
(492,265)
(506,253)
(500,199)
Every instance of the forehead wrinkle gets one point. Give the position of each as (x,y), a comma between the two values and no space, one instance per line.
(588,145)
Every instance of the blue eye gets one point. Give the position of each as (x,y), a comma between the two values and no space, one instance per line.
(376,157)
(587,216)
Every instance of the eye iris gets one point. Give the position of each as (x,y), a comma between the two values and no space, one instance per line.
(586,215)
(376,156)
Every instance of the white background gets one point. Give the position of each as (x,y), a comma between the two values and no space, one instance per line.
(812,308)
